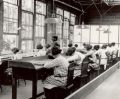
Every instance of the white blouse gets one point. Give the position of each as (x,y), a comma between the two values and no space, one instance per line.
(60,65)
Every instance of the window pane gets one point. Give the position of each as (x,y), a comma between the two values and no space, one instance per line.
(77,34)
(27,32)
(86,35)
(39,41)
(27,24)
(59,28)
(66,28)
(104,36)
(113,36)
(65,42)
(72,19)
(27,45)
(67,14)
(40,25)
(40,7)
(28,5)
(71,33)
(10,23)
(59,11)
(9,41)
(94,34)
(11,1)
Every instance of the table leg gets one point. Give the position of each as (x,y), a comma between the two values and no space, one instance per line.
(14,88)
(34,88)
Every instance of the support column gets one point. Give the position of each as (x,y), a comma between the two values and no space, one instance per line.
(19,23)
(1,25)
(34,24)
(51,28)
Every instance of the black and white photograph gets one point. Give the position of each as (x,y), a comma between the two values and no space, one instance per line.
(59,49)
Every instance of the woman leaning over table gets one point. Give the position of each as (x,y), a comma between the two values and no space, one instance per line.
(78,58)
(59,78)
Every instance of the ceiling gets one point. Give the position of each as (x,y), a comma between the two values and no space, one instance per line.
(100,11)
(95,9)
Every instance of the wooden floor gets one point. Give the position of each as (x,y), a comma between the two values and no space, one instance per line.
(109,89)
(24,91)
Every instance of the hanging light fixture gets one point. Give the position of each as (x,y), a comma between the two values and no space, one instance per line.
(53,19)
(100,28)
(107,30)
(82,26)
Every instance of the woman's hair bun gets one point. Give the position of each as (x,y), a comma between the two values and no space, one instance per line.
(56,50)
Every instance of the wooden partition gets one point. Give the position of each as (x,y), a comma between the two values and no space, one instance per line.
(89,87)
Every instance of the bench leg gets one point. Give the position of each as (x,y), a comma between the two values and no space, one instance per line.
(1,87)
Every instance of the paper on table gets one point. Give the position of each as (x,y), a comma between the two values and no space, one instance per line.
(39,62)
(37,67)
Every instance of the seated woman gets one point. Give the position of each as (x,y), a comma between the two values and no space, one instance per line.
(78,58)
(83,49)
(96,54)
(59,78)
(49,50)
(70,45)
(103,54)
(76,46)
(40,52)
(93,66)
(89,50)
(114,50)
(91,57)
(17,54)
(109,50)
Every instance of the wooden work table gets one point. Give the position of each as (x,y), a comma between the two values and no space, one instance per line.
(28,69)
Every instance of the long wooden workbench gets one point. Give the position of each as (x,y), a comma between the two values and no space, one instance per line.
(28,69)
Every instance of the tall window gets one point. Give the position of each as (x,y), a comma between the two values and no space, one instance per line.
(95,34)
(10,24)
(27,31)
(59,27)
(27,25)
(114,33)
(72,23)
(98,34)
(72,19)
(40,23)
(104,36)
(77,36)
(28,5)
(66,28)
(86,35)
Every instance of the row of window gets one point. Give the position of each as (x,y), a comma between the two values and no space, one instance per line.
(10,24)
(95,34)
